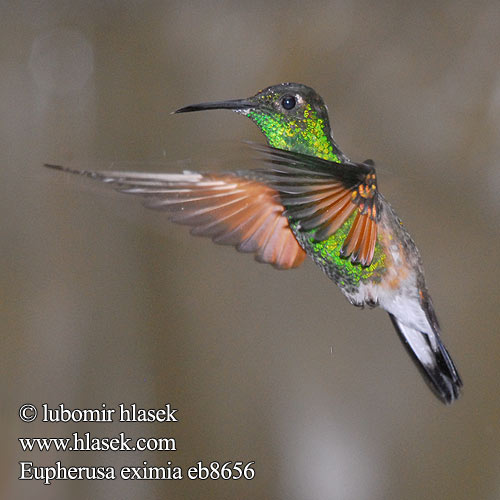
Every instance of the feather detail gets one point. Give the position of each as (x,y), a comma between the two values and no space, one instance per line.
(229,208)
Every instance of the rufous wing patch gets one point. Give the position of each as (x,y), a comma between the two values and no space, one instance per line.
(229,208)
(235,211)
(362,237)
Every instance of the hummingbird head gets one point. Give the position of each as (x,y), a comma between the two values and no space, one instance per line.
(292,116)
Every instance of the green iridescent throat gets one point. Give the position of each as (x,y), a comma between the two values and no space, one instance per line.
(309,135)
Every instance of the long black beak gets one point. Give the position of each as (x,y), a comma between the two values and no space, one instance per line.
(235,105)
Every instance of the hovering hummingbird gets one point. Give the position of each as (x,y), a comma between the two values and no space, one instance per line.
(307,198)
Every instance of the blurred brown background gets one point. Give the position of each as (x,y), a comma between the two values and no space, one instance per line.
(104,301)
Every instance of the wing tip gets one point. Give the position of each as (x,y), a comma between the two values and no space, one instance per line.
(360,242)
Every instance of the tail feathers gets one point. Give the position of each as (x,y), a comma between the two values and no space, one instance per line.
(433,361)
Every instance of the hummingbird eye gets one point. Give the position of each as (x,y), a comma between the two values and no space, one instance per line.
(288,102)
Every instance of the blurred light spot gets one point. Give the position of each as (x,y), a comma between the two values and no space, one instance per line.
(327,457)
(493,153)
(335,464)
(61,61)
(494,105)
(493,185)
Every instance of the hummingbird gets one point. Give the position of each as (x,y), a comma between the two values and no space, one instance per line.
(307,198)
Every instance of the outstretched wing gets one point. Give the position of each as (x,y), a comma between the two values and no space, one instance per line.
(321,195)
(229,208)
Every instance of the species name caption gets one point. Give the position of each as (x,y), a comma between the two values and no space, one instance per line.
(87,442)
